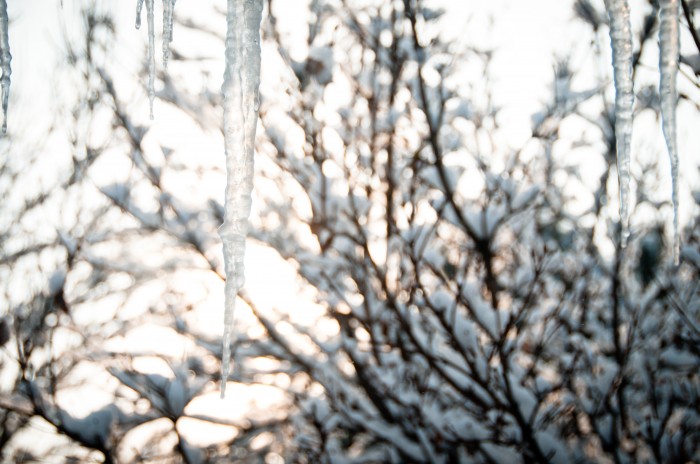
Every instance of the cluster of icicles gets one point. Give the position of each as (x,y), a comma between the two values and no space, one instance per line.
(241,102)
(168,8)
(669,52)
(240,92)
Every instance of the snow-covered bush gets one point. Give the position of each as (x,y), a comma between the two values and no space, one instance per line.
(464,298)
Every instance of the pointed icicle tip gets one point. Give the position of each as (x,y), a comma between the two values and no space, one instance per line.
(621,43)
(139,7)
(222,390)
(240,90)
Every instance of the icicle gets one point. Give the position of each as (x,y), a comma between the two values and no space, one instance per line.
(168,8)
(151,55)
(5,59)
(139,7)
(669,50)
(240,90)
(621,40)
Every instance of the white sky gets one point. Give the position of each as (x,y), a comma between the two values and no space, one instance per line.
(526,35)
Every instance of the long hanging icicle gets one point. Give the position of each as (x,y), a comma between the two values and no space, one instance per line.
(168,8)
(669,49)
(240,90)
(621,40)
(5,59)
(151,55)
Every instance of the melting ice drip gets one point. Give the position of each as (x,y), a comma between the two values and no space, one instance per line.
(5,59)
(669,49)
(241,102)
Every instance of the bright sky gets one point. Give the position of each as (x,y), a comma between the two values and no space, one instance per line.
(526,34)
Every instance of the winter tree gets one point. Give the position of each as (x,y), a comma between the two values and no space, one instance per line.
(424,282)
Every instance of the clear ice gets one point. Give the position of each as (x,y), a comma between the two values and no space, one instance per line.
(168,8)
(669,50)
(621,40)
(240,91)
(5,59)
(139,7)
(151,55)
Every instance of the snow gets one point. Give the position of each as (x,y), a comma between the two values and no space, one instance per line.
(95,428)
(177,395)
(526,197)
(240,90)
(56,281)
(5,59)
(669,50)
(621,41)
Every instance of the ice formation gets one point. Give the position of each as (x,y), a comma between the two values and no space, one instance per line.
(139,7)
(669,50)
(621,40)
(669,55)
(151,55)
(240,91)
(168,7)
(5,59)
